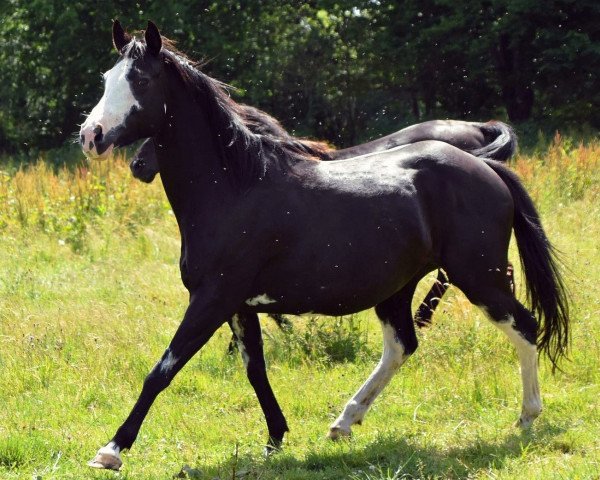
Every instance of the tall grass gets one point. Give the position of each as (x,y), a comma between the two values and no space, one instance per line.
(68,204)
(90,297)
(563,173)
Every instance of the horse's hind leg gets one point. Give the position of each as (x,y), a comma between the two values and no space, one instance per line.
(281,320)
(399,342)
(521,329)
(431,300)
(510,316)
(437,291)
(246,328)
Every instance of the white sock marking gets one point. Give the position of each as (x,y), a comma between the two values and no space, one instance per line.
(527,353)
(107,457)
(392,358)
(110,449)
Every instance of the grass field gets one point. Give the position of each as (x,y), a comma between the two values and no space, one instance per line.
(90,296)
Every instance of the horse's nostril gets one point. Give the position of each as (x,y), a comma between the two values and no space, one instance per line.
(138,165)
(98,133)
(82,139)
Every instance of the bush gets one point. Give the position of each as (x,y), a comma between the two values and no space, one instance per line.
(323,340)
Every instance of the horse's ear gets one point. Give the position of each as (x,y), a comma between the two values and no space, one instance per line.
(153,39)
(120,38)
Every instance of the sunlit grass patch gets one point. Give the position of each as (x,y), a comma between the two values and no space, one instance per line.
(90,296)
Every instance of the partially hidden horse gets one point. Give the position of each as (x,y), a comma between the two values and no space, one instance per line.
(495,140)
(267,228)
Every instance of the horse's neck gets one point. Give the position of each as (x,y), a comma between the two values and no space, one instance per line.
(190,166)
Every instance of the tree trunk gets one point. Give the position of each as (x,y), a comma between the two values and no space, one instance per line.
(514,69)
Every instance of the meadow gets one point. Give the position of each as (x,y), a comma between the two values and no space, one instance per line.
(90,296)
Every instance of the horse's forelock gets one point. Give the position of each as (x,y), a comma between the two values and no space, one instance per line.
(135,49)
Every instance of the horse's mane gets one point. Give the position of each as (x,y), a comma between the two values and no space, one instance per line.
(261,122)
(264,124)
(249,138)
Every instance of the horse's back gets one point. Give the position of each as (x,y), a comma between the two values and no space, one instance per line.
(464,135)
(457,198)
(382,219)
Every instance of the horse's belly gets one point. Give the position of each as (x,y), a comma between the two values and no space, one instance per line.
(334,283)
(344,253)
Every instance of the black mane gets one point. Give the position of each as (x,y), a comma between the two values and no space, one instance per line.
(244,153)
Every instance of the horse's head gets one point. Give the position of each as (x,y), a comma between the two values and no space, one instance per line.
(133,105)
(144,165)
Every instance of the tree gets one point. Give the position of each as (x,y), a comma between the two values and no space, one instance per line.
(341,70)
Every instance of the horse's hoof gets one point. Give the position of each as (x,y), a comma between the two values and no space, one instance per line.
(524,423)
(526,419)
(269,451)
(108,462)
(272,447)
(338,433)
(108,458)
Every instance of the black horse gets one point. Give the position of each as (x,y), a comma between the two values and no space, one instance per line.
(267,228)
(494,140)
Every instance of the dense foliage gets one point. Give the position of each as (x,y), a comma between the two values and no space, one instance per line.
(344,70)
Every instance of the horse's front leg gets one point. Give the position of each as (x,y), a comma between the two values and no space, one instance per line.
(247,333)
(202,318)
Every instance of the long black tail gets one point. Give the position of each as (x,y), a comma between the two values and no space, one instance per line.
(546,292)
(502,141)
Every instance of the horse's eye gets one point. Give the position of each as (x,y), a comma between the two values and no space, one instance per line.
(143,82)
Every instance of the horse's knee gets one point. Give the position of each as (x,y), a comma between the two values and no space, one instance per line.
(157,380)
(410,342)
(256,371)
(511,311)
(526,324)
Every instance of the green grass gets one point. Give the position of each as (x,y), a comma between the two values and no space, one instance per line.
(90,296)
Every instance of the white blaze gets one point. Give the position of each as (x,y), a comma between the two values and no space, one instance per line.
(115,104)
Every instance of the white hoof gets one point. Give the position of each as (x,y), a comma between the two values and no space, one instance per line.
(524,423)
(526,420)
(337,433)
(108,457)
